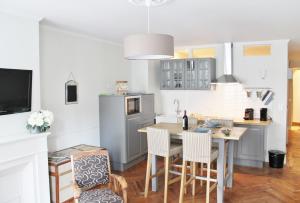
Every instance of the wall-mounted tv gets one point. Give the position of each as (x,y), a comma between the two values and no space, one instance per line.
(15,91)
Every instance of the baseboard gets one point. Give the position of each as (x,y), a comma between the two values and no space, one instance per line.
(249,163)
(117,166)
(296,123)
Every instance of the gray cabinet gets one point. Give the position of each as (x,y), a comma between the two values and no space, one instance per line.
(133,138)
(166,75)
(178,74)
(148,107)
(144,146)
(147,119)
(190,74)
(206,72)
(249,150)
(118,131)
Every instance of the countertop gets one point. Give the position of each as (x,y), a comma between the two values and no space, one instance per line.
(252,122)
(239,121)
(176,131)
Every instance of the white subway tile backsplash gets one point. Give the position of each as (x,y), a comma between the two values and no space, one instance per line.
(228,100)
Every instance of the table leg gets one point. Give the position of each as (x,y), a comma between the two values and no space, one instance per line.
(230,163)
(154,171)
(220,171)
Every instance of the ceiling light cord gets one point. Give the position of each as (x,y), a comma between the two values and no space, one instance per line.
(148,15)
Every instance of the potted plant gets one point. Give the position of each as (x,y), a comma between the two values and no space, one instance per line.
(40,121)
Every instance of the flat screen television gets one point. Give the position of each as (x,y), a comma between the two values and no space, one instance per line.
(15,91)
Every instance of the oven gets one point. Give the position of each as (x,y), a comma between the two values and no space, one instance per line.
(133,105)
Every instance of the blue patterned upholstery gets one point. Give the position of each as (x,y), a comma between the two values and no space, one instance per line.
(90,171)
(99,196)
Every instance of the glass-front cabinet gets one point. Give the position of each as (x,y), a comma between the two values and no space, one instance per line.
(178,74)
(189,74)
(166,75)
(204,78)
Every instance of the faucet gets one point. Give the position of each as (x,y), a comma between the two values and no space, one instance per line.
(177,110)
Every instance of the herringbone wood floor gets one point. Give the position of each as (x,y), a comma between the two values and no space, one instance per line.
(250,184)
(253,185)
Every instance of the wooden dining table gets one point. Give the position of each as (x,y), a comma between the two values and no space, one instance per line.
(224,180)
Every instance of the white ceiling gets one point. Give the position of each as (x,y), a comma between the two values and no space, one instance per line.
(191,22)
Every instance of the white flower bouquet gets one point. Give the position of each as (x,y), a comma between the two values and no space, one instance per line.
(40,121)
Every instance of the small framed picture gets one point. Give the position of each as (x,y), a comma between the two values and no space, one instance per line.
(71,89)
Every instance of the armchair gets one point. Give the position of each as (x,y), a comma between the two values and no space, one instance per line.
(93,181)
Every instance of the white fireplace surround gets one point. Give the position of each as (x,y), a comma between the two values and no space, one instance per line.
(24,169)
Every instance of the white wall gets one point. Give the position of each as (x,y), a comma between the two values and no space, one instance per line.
(296,96)
(96,66)
(138,76)
(249,71)
(145,77)
(19,49)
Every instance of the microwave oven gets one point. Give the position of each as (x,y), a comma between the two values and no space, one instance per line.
(133,105)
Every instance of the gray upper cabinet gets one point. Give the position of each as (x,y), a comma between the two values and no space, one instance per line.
(178,74)
(191,74)
(166,75)
(206,72)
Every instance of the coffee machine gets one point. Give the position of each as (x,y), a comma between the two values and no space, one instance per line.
(263,114)
(249,112)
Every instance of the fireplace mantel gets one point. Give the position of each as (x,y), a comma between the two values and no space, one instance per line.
(24,168)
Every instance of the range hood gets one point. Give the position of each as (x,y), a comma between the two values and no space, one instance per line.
(227,77)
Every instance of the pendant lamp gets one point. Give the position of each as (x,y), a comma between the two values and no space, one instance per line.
(149,45)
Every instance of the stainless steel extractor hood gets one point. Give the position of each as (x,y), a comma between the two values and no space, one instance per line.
(227,77)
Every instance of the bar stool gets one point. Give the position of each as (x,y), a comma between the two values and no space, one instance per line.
(197,148)
(159,145)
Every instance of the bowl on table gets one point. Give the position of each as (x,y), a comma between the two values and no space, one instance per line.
(202,130)
(226,132)
(213,124)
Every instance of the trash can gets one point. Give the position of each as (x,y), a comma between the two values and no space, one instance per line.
(276,158)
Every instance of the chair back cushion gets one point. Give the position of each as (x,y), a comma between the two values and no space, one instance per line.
(91,169)
(158,141)
(196,147)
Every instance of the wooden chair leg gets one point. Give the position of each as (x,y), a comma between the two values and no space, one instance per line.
(201,174)
(147,175)
(166,179)
(183,180)
(185,188)
(194,181)
(208,183)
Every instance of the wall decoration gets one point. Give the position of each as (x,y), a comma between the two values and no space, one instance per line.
(122,87)
(71,90)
